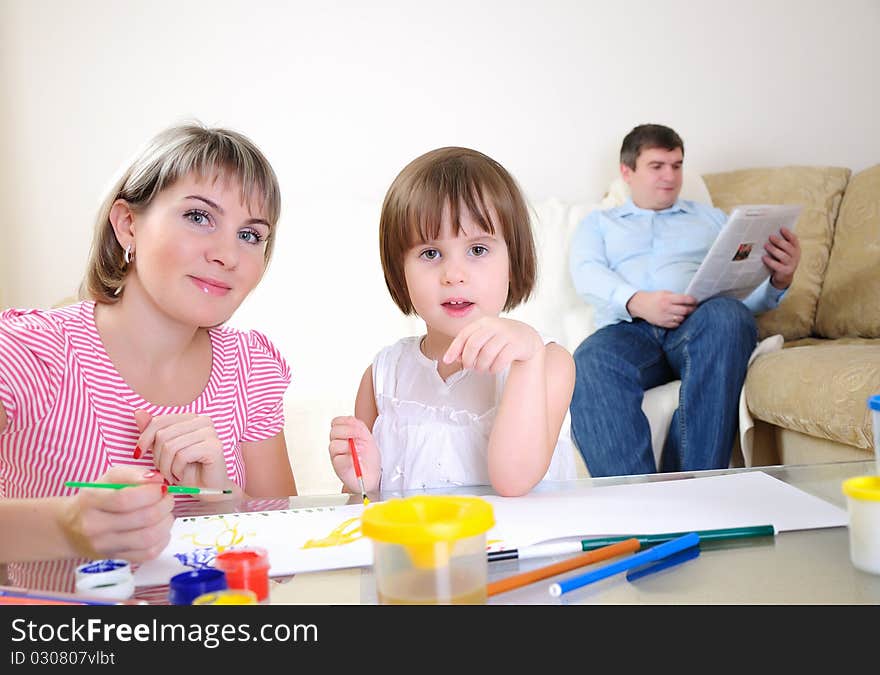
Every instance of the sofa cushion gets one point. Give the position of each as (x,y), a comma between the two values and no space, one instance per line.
(819,190)
(849,303)
(820,389)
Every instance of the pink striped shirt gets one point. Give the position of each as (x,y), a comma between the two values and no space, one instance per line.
(70,415)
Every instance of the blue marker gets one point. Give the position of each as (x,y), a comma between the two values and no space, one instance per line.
(666,563)
(637,560)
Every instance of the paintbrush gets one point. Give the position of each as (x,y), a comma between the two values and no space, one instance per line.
(357,469)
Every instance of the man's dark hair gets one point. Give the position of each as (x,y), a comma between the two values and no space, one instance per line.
(645,137)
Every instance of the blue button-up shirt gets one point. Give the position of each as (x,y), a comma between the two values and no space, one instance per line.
(620,251)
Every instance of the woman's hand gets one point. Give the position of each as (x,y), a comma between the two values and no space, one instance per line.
(491,344)
(341,429)
(133,523)
(186,449)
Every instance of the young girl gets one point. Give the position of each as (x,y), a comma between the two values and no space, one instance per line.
(478,399)
(142,383)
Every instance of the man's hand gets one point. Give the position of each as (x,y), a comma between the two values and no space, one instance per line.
(783,256)
(661,308)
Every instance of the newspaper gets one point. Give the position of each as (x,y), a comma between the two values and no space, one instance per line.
(733,266)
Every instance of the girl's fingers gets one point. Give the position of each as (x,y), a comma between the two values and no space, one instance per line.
(504,358)
(490,352)
(454,351)
(473,346)
(347,421)
(351,428)
(339,448)
(342,465)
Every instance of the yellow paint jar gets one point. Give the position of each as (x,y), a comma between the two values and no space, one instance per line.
(232,596)
(429,549)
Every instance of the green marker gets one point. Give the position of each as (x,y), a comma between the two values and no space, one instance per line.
(571,547)
(172,489)
(705,536)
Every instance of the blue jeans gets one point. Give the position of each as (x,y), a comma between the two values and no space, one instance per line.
(709,352)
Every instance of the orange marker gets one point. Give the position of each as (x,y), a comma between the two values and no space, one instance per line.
(520,580)
(357,469)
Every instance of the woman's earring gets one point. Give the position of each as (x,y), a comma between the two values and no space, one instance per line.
(127,256)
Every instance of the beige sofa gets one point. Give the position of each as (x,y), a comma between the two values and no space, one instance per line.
(809,400)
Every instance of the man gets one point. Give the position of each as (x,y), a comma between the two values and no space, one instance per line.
(633,263)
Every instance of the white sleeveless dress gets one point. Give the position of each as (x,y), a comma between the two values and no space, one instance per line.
(434,433)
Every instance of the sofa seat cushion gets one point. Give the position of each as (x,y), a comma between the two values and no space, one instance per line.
(806,342)
(819,190)
(819,389)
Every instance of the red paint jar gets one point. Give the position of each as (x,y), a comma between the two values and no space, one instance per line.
(246,568)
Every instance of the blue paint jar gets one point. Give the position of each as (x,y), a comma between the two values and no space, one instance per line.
(187,586)
(109,579)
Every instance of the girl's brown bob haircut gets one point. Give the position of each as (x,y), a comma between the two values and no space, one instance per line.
(455,178)
(173,154)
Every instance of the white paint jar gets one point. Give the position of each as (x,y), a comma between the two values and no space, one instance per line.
(863,503)
(107,579)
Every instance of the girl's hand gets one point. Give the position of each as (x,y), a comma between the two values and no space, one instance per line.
(186,448)
(341,429)
(133,523)
(491,344)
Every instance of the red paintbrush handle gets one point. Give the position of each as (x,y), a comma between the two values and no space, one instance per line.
(354,458)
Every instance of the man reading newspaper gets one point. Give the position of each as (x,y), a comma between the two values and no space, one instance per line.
(632,263)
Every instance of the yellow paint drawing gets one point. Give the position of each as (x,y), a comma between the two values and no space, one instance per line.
(345,533)
(228,537)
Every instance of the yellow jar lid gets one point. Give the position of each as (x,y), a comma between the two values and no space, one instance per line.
(232,596)
(863,487)
(426,519)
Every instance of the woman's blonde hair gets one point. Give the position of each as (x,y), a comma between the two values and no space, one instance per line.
(455,178)
(177,152)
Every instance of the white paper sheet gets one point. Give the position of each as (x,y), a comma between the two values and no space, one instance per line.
(733,500)
(713,502)
(733,266)
(285,534)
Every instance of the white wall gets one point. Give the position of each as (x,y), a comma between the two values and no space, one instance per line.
(340,96)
